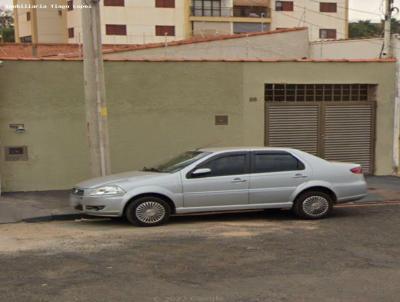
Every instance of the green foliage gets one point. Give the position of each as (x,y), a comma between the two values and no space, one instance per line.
(367,29)
(364,29)
(6,26)
(395,26)
(7,34)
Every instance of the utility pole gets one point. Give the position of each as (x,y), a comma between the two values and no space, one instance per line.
(387,49)
(95,93)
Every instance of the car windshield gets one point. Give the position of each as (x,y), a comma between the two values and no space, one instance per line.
(178,163)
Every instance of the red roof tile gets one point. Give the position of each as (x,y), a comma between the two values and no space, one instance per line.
(21,50)
(271,60)
(25,50)
(199,39)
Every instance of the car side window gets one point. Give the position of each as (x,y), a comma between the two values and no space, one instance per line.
(275,162)
(227,165)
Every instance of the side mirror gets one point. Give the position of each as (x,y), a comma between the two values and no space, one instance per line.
(201,171)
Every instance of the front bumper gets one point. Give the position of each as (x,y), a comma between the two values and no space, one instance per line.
(106,206)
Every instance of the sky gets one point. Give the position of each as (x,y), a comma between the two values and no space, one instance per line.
(373,7)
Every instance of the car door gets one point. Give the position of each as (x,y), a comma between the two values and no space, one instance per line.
(274,177)
(226,183)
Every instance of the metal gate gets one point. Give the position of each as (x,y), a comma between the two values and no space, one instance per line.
(334,130)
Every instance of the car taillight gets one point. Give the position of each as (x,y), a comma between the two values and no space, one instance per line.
(357,170)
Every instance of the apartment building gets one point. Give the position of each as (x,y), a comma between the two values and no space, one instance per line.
(41,21)
(154,21)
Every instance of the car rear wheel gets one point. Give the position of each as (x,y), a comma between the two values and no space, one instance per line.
(148,211)
(313,205)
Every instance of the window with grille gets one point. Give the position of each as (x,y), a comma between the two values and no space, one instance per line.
(284,6)
(70,4)
(327,33)
(328,7)
(165,3)
(26,39)
(165,30)
(319,92)
(115,30)
(207,8)
(114,2)
(71,32)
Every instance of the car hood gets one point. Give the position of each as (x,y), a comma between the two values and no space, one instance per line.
(116,178)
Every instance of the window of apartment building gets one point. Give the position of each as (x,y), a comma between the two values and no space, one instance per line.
(328,7)
(165,30)
(60,12)
(327,33)
(165,3)
(26,39)
(28,16)
(207,8)
(284,6)
(71,32)
(114,2)
(70,4)
(115,30)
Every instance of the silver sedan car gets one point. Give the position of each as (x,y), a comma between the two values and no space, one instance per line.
(223,179)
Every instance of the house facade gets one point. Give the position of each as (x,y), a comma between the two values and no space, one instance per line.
(336,109)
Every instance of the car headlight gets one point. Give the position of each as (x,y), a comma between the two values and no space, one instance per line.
(107,190)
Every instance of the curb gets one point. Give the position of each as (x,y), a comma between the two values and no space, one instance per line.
(61,217)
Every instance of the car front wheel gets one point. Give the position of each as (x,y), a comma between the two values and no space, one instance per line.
(313,205)
(148,211)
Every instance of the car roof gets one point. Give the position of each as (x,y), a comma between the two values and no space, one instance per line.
(228,149)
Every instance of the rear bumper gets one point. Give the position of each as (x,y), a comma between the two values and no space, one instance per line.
(351,198)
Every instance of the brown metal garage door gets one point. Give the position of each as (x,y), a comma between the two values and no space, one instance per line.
(335,130)
(349,133)
(294,126)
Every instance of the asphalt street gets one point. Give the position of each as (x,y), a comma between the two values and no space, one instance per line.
(256,256)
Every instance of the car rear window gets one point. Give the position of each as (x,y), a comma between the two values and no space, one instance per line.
(276,162)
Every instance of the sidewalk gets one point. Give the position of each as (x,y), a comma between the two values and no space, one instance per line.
(48,205)
(54,205)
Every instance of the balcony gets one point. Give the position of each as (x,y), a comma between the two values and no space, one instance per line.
(236,11)
(251,12)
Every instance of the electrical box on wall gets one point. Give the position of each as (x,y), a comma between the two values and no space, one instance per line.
(16,153)
(221,120)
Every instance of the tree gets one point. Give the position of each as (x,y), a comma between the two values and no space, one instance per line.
(395,26)
(6,26)
(364,29)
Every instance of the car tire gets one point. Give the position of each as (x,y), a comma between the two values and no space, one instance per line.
(148,211)
(313,205)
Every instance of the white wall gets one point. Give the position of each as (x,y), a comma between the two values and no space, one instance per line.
(51,26)
(140,17)
(24,26)
(74,19)
(287,45)
(346,49)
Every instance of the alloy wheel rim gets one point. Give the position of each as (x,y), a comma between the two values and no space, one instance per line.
(315,206)
(150,212)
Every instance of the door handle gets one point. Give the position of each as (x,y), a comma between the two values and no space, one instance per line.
(237,180)
(299,175)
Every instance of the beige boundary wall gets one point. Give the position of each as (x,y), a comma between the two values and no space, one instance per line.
(157,109)
(287,44)
(349,49)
